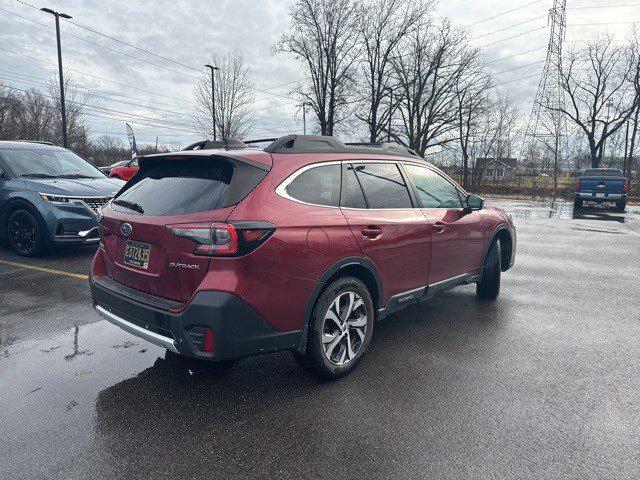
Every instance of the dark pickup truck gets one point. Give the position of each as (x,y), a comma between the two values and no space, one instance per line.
(602,185)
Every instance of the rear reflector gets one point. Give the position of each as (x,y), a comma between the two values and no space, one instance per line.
(208,344)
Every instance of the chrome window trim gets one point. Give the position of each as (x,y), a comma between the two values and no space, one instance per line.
(281,190)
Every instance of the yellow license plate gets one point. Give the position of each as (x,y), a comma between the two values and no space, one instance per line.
(137,254)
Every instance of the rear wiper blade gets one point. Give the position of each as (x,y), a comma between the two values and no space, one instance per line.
(130,205)
(38,175)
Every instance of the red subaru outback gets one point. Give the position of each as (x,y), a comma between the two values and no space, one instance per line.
(223,253)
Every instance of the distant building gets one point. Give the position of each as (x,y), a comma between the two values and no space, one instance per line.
(495,169)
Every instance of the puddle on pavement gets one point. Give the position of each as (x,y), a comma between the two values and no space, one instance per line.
(545,208)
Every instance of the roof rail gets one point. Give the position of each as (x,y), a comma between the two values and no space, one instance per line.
(41,142)
(327,144)
(260,140)
(391,147)
(227,144)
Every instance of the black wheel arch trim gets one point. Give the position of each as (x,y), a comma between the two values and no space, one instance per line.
(322,282)
(21,204)
(501,227)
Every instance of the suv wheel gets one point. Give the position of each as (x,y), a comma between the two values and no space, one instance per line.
(577,203)
(621,206)
(24,234)
(339,331)
(489,286)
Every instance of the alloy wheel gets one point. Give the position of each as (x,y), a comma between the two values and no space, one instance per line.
(22,233)
(344,328)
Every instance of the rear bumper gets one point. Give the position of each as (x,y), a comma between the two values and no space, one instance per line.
(238,330)
(608,197)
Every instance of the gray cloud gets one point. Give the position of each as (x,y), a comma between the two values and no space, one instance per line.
(189,31)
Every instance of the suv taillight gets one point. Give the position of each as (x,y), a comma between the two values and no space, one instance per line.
(578,185)
(224,239)
(625,186)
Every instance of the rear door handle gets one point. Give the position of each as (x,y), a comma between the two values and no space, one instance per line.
(439,227)
(372,231)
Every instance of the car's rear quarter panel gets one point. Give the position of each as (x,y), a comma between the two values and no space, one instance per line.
(308,240)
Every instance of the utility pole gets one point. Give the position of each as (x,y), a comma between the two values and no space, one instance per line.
(390,112)
(550,90)
(304,118)
(213,97)
(57,16)
(304,105)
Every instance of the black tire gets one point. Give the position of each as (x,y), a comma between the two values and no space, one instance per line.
(621,206)
(489,286)
(325,364)
(24,234)
(577,203)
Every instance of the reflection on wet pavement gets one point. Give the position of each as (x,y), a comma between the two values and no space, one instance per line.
(542,383)
(561,208)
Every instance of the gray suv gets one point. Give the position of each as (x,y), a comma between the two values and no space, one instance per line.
(49,196)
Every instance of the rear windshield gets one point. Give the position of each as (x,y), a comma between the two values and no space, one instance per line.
(612,173)
(176,187)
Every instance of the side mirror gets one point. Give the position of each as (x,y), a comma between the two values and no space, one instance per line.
(474,202)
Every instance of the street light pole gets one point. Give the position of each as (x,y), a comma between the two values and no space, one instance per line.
(57,16)
(213,98)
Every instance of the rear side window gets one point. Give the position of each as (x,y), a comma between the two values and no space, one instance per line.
(433,190)
(176,187)
(318,186)
(352,196)
(383,185)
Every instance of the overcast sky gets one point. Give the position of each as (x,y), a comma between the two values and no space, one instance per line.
(189,31)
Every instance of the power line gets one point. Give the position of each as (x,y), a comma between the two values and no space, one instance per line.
(504,13)
(509,27)
(118,40)
(516,55)
(584,7)
(514,36)
(519,68)
(119,52)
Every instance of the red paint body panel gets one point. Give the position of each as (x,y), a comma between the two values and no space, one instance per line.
(124,172)
(402,251)
(278,277)
(458,244)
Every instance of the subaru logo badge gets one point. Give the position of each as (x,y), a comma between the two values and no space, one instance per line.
(126,228)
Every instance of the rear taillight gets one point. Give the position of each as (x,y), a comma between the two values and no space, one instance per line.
(223,239)
(625,186)
(578,185)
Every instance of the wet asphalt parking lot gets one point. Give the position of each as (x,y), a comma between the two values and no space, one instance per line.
(543,383)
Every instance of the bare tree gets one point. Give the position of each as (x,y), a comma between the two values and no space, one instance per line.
(599,83)
(430,65)
(323,34)
(496,133)
(472,102)
(635,117)
(234,97)
(75,103)
(382,26)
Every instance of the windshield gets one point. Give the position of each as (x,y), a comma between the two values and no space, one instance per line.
(51,162)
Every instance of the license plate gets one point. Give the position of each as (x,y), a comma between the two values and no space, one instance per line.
(599,194)
(137,254)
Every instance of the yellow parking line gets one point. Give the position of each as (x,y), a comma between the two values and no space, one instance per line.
(44,269)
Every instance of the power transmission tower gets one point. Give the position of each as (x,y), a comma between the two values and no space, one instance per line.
(545,123)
